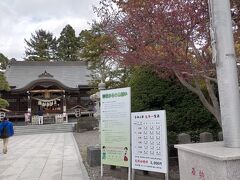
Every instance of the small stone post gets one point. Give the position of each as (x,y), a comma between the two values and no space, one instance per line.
(206,137)
(220,136)
(184,138)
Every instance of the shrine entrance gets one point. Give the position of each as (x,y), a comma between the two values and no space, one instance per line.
(47,100)
(52,97)
(49,103)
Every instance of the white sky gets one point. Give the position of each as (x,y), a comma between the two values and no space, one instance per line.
(20,18)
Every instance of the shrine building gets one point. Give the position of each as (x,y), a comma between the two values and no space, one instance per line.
(51,88)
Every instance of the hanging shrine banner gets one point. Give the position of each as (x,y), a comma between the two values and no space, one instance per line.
(47,102)
(115,127)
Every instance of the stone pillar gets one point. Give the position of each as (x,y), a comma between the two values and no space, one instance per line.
(227,72)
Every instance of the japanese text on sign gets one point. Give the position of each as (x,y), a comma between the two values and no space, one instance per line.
(149,141)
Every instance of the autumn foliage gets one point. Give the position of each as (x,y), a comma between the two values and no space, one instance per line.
(170,36)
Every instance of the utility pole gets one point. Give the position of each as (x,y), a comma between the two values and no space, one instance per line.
(223,45)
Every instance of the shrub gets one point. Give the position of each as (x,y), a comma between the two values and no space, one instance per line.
(184,110)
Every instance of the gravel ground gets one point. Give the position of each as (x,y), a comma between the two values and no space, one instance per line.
(90,138)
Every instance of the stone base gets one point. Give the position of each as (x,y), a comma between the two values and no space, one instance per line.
(208,161)
(93,156)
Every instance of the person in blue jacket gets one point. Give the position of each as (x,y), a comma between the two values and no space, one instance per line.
(6,131)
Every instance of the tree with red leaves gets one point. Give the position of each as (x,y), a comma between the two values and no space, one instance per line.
(170,36)
(236,23)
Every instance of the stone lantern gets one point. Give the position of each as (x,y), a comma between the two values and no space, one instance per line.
(96,99)
(93,152)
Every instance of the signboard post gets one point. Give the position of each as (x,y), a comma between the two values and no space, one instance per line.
(149,141)
(116,127)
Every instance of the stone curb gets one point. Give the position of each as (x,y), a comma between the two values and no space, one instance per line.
(84,171)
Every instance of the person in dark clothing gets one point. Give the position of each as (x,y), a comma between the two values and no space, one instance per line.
(6,131)
(40,116)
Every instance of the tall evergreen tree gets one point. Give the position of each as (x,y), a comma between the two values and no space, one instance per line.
(94,46)
(3,61)
(68,45)
(3,87)
(3,82)
(41,46)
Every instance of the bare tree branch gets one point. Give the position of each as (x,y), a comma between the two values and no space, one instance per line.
(205,102)
(214,100)
(185,83)
(210,78)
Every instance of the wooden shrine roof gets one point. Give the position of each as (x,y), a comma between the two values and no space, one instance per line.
(20,74)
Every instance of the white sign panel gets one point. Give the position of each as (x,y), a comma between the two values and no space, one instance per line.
(115,127)
(2,115)
(149,141)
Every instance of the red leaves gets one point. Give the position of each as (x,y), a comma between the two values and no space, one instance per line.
(165,34)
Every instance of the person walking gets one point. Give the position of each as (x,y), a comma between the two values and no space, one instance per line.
(6,131)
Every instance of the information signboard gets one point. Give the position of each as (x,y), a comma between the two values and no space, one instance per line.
(115,127)
(149,141)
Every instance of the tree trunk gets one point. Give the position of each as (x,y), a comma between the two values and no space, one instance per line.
(212,105)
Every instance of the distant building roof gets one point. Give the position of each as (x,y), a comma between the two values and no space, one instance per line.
(72,74)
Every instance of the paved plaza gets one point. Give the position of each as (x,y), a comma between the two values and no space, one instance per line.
(42,157)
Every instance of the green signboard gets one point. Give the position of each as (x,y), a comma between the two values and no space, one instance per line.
(115,127)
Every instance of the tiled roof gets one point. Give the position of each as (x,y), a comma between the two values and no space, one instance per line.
(71,74)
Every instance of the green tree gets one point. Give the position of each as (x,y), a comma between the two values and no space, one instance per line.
(3,61)
(94,46)
(185,112)
(68,45)
(41,46)
(3,87)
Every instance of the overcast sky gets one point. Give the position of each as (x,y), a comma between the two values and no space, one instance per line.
(20,18)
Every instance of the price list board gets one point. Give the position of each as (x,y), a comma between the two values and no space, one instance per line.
(149,141)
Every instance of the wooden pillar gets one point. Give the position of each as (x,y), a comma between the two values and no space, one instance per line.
(29,110)
(18,104)
(79,96)
(65,107)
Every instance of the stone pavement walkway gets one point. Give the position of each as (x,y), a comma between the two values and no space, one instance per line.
(42,157)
